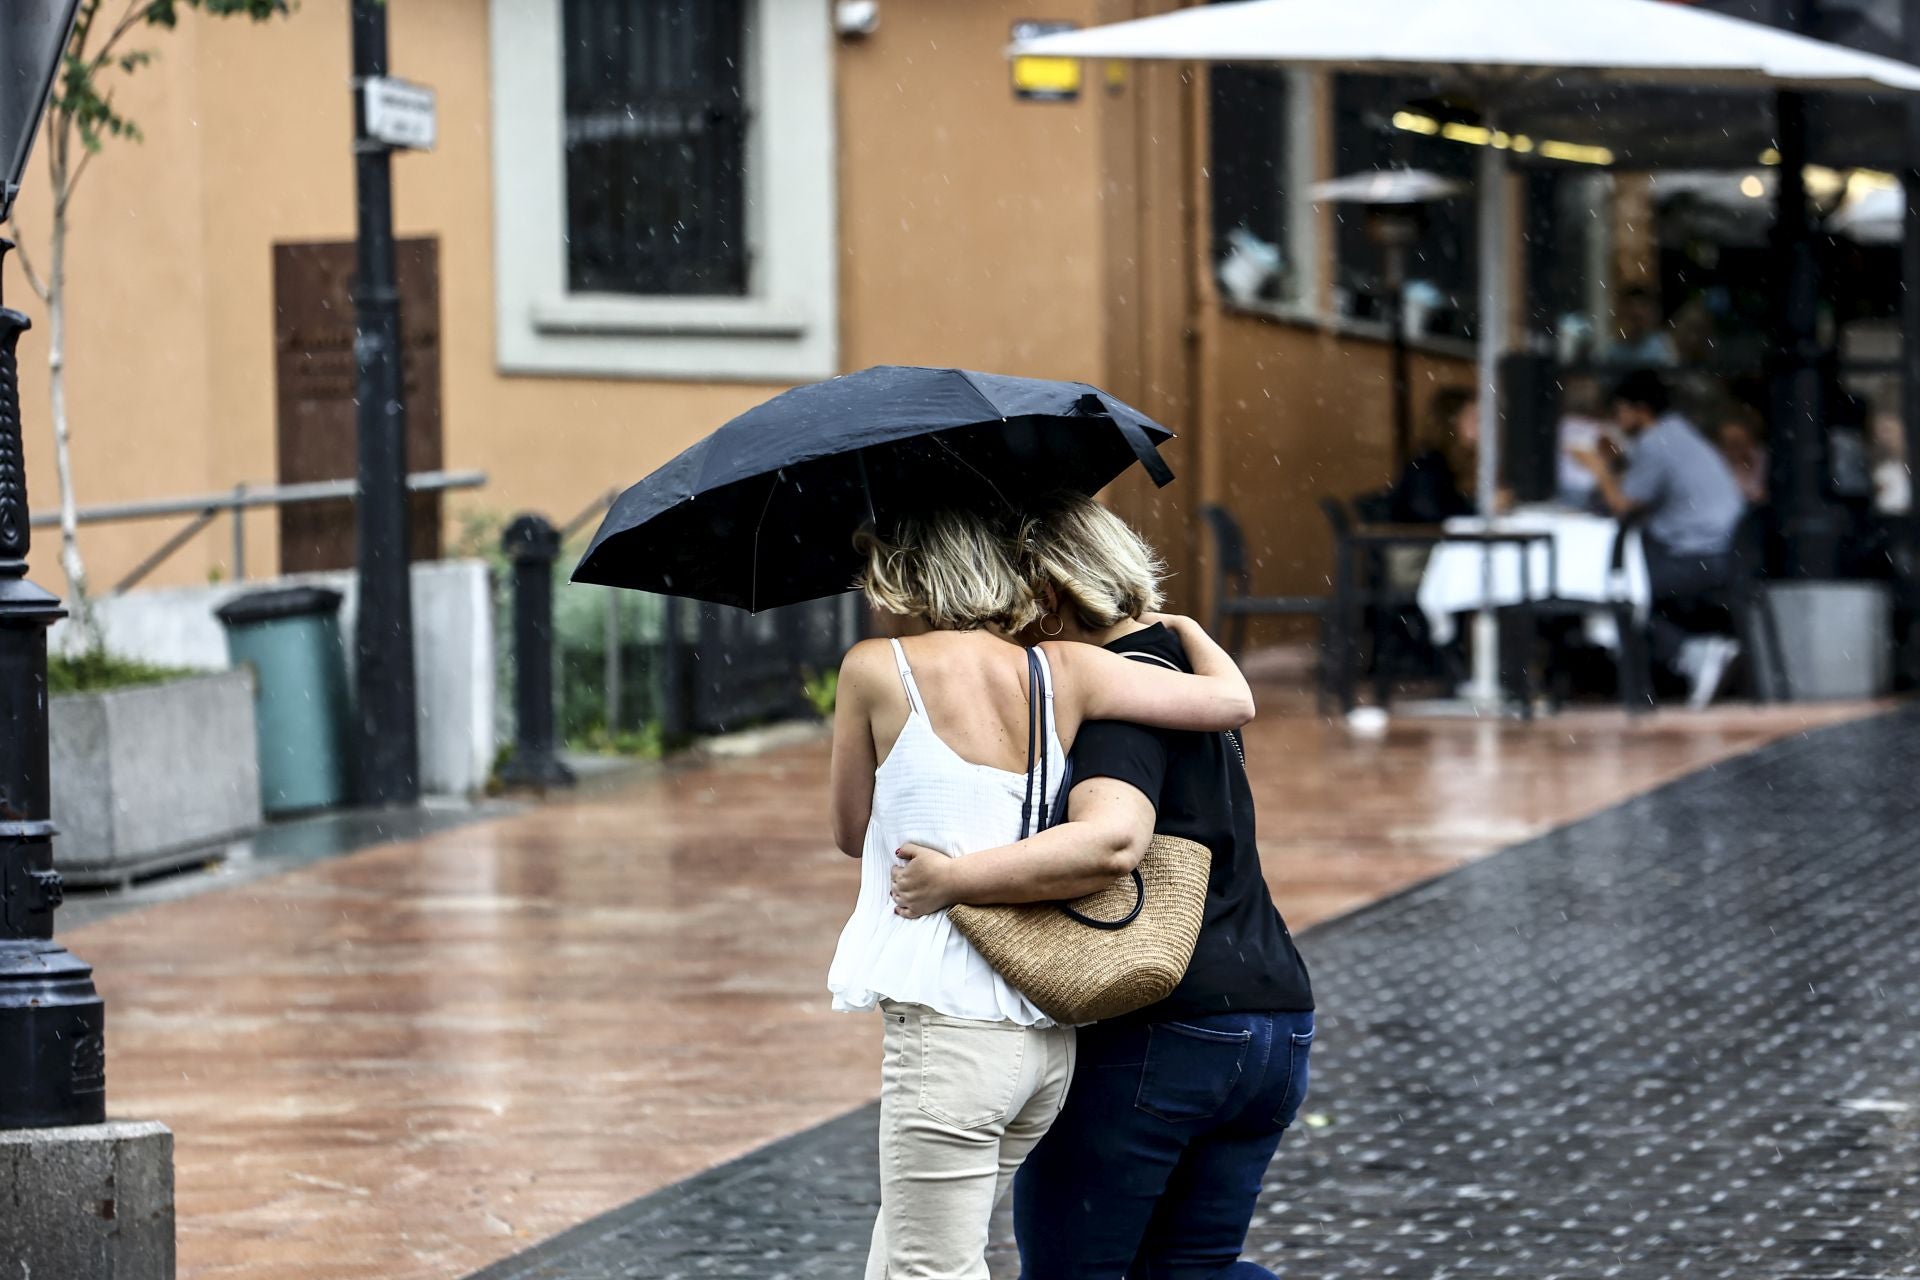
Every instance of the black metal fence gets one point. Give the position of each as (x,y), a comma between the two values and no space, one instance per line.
(675,668)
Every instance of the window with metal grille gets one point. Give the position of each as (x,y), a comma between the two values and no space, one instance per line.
(656,135)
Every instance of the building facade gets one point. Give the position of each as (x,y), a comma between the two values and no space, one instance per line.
(643,216)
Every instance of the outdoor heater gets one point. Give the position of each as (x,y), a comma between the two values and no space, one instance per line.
(52,1050)
(1394,204)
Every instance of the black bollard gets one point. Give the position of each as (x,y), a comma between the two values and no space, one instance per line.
(52,1021)
(533,544)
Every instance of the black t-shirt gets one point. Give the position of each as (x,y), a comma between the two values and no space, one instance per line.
(1245,960)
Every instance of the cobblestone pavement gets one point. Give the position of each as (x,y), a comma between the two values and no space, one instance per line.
(1680,1038)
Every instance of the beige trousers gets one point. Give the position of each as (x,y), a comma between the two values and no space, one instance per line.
(961,1105)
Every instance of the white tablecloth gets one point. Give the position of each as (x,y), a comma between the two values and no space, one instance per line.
(1456,577)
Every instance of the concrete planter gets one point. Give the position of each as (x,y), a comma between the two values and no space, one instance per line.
(452,653)
(144,777)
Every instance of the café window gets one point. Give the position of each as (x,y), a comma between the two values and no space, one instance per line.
(656,147)
(664,180)
(1253,167)
(1371,119)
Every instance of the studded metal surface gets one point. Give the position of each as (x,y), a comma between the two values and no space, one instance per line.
(1678,1039)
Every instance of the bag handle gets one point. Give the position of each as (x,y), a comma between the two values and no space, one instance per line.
(1033,743)
(1139,905)
(1036,691)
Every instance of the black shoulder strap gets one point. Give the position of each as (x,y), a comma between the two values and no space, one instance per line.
(1033,744)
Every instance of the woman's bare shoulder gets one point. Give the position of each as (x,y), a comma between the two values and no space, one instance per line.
(865,663)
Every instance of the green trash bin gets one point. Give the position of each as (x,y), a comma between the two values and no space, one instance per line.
(290,637)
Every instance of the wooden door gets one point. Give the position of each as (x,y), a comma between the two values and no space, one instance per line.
(314,374)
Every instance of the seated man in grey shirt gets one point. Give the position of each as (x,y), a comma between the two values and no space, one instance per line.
(1689,503)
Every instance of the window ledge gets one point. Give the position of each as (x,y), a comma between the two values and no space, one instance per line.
(1300,314)
(611,315)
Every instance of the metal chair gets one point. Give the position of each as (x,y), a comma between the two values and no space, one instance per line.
(1635,660)
(1233,598)
(1364,600)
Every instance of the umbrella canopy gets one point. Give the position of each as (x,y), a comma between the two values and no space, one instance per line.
(1610,41)
(1387,187)
(762,512)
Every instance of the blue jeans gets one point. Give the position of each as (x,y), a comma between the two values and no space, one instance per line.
(1153,1168)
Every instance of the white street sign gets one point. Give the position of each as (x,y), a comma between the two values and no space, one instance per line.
(400,114)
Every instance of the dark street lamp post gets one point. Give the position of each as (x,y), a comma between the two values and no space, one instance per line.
(1394,229)
(386,728)
(52,1021)
(1394,203)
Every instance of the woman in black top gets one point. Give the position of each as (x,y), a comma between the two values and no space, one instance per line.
(1428,490)
(1154,1167)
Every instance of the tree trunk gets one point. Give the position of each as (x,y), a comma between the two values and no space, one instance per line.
(80,602)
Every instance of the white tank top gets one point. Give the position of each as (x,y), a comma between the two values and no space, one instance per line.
(926,794)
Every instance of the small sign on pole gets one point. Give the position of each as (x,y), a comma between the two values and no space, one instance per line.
(1044,79)
(400,114)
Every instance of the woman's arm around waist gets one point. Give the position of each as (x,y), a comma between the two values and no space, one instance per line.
(1109,824)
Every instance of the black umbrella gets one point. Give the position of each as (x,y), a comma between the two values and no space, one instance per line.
(762,512)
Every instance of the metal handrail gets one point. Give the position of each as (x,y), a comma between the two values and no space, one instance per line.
(207,507)
(598,506)
(244,496)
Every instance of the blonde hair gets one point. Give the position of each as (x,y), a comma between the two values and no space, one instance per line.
(1099,566)
(954,569)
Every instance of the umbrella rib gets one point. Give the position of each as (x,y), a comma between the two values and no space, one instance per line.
(753,584)
(984,478)
(993,409)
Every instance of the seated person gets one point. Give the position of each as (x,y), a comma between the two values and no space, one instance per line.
(1745,450)
(1428,490)
(1689,504)
(1581,428)
(1892,482)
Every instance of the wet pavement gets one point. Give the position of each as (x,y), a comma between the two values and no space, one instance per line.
(278,848)
(1678,1038)
(410,1061)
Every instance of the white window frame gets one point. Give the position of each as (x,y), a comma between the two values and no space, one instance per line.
(786,328)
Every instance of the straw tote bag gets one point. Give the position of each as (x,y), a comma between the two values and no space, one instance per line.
(1111,952)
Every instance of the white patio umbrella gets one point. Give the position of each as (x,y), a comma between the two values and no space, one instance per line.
(1877,215)
(1493,48)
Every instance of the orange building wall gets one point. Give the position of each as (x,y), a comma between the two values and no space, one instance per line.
(971,233)
(1303,414)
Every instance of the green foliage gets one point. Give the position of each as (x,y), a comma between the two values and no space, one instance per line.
(478,536)
(823,692)
(646,743)
(96,671)
(83,93)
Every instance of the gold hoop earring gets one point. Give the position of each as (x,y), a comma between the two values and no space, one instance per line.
(1059,625)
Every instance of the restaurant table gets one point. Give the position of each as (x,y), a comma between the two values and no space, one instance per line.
(1567,561)
(1350,601)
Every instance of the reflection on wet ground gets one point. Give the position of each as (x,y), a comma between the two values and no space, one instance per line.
(278,848)
(420,1058)
(1677,1038)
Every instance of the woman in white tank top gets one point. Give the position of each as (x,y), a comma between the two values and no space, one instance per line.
(930,747)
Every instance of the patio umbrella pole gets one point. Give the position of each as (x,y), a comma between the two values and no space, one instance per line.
(1484,689)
